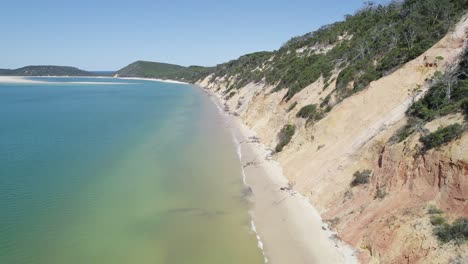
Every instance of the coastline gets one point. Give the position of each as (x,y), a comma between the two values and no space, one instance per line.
(25,80)
(151,79)
(22,79)
(288,228)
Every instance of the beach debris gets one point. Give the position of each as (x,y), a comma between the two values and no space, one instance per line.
(250,163)
(290,187)
(254,139)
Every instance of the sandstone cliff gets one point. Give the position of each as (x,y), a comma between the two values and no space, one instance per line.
(387,219)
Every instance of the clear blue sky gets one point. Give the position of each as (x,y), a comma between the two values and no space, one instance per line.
(107,35)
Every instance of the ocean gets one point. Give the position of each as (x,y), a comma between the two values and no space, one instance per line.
(103,170)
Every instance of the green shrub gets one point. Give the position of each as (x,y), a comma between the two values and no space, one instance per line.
(434,210)
(291,107)
(441,136)
(310,112)
(465,108)
(437,220)
(458,231)
(361,177)
(307,111)
(380,194)
(325,101)
(230,95)
(436,102)
(285,136)
(403,133)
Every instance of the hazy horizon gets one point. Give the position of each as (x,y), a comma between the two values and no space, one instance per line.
(106,36)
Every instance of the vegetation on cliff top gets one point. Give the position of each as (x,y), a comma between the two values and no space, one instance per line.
(441,136)
(366,46)
(448,94)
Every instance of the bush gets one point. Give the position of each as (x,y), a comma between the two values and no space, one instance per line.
(361,177)
(441,136)
(380,194)
(434,210)
(458,231)
(291,107)
(402,133)
(325,101)
(464,106)
(437,220)
(285,136)
(310,112)
(307,111)
(230,95)
(384,37)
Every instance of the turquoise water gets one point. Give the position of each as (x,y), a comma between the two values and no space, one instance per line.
(124,171)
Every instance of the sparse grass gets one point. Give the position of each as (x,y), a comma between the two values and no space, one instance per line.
(380,194)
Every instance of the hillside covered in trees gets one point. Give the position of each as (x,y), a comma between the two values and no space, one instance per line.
(46,71)
(366,46)
(147,69)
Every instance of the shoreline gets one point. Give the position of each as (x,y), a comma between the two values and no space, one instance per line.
(288,228)
(17,79)
(151,79)
(24,80)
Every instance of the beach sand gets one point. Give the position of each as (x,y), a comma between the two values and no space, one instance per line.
(16,79)
(151,79)
(289,228)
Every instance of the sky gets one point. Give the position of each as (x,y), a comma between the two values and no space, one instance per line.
(108,35)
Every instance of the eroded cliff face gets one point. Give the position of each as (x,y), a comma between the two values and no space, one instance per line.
(387,219)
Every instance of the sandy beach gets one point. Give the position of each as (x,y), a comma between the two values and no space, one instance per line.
(151,79)
(289,228)
(16,79)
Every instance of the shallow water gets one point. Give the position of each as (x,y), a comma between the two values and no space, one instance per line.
(139,172)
